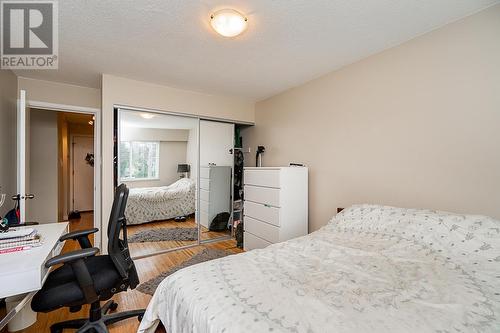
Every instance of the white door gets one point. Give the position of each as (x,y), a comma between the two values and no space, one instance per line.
(216,143)
(23,155)
(216,146)
(83,173)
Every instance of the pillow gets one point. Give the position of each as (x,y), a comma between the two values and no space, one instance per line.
(469,241)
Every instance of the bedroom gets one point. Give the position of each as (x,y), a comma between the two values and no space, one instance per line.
(387,104)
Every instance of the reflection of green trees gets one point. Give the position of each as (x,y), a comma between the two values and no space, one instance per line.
(124,159)
(139,159)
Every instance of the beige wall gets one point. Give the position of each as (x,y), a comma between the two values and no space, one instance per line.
(43,166)
(121,91)
(132,93)
(8,141)
(60,93)
(415,126)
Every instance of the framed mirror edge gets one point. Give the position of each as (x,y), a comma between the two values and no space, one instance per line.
(119,107)
(181,114)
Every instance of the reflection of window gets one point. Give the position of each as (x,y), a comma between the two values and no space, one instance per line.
(139,160)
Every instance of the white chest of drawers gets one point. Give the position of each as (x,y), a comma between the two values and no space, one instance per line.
(276,205)
(215,191)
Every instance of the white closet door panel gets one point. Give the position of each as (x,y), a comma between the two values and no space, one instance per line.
(216,141)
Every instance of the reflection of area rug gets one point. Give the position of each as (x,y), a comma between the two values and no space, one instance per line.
(206,254)
(164,234)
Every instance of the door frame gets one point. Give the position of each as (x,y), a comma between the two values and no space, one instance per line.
(97,151)
(71,166)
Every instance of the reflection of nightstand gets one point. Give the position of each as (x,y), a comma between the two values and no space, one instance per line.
(215,187)
(276,205)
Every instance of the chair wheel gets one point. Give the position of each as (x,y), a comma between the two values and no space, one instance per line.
(113,306)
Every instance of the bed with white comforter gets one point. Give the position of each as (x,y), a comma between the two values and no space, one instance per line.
(147,204)
(371,269)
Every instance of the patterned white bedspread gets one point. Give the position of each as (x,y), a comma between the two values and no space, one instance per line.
(147,204)
(371,269)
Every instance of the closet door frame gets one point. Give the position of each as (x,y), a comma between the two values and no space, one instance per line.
(118,107)
(231,194)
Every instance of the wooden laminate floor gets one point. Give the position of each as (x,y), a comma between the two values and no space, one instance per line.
(140,249)
(132,299)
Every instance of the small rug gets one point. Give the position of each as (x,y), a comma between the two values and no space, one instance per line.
(149,287)
(164,234)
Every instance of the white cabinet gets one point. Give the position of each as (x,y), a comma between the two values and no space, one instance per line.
(215,189)
(276,205)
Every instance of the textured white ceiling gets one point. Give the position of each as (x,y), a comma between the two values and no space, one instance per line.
(288,41)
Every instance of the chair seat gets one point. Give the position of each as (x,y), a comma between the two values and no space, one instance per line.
(62,289)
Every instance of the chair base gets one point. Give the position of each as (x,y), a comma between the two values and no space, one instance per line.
(98,325)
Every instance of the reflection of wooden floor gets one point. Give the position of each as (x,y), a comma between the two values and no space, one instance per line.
(140,249)
(147,268)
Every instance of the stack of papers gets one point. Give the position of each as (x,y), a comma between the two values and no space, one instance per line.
(19,239)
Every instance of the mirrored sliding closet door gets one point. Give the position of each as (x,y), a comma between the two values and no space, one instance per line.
(216,179)
(157,158)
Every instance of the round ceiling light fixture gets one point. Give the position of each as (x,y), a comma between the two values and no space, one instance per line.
(228,22)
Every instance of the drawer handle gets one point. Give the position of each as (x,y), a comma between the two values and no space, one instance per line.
(267,205)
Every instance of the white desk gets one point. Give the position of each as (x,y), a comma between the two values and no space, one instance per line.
(24,272)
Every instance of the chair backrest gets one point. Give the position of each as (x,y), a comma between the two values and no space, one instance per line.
(117,238)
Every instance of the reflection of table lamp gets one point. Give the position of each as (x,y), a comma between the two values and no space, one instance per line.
(183,170)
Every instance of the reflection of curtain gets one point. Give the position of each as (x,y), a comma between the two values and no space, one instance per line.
(238,174)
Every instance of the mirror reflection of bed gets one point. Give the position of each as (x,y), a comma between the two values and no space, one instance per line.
(156,155)
(180,174)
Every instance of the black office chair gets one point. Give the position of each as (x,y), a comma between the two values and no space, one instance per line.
(85,278)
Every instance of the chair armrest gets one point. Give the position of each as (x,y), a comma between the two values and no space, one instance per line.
(82,236)
(80,271)
(72,256)
(77,234)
